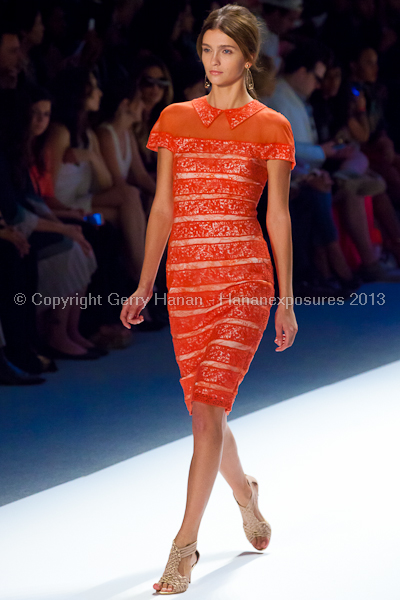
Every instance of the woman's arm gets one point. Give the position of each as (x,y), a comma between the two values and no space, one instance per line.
(138,175)
(157,234)
(72,231)
(100,169)
(57,144)
(358,123)
(359,128)
(107,149)
(280,234)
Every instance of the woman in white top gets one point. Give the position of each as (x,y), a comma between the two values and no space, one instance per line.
(121,108)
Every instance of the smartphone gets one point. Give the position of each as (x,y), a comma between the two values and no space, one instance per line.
(91,24)
(355,91)
(94,219)
(339,146)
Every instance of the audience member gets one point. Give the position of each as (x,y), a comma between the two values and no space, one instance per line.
(157,92)
(122,108)
(378,146)
(31,31)
(279,17)
(10,56)
(305,68)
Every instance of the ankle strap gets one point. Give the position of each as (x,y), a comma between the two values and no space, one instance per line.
(187,550)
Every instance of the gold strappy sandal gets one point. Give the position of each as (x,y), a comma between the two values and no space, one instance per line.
(171,575)
(252,526)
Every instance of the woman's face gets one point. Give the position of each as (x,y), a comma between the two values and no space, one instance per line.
(92,103)
(331,83)
(222,58)
(153,86)
(41,112)
(367,66)
(187,19)
(36,34)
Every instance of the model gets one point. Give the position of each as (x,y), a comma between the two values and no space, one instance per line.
(215,155)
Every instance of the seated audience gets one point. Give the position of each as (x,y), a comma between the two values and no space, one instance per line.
(376,141)
(80,175)
(65,259)
(340,111)
(305,68)
(100,321)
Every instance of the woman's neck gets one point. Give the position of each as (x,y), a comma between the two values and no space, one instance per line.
(226,98)
(147,111)
(121,123)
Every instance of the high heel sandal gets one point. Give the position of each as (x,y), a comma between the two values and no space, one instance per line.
(171,575)
(252,526)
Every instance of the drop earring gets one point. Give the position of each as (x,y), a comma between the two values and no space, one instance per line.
(249,79)
(207,82)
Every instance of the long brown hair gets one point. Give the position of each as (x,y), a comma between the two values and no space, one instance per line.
(241,25)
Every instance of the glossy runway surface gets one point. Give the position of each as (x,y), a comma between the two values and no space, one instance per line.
(327,465)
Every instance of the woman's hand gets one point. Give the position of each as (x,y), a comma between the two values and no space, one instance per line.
(347,152)
(75,232)
(76,213)
(130,313)
(285,326)
(360,102)
(17,238)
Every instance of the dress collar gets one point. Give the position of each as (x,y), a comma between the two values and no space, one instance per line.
(235,116)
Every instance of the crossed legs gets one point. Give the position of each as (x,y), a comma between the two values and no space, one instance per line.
(214,450)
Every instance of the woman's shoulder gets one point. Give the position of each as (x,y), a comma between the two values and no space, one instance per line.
(176,109)
(174,113)
(104,131)
(273,117)
(175,119)
(60,133)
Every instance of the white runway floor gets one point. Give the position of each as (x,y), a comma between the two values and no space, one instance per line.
(328,467)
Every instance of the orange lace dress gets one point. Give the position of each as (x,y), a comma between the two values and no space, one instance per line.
(219,272)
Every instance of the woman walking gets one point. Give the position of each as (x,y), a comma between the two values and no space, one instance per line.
(215,154)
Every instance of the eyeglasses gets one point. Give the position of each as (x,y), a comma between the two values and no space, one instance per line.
(152,81)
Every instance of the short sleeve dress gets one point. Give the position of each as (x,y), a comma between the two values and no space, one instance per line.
(219,272)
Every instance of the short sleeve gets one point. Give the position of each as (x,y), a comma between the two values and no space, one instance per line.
(280,142)
(161,136)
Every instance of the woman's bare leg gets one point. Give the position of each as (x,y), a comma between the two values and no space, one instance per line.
(73,322)
(354,218)
(208,423)
(321,262)
(58,337)
(338,261)
(131,220)
(133,225)
(389,224)
(232,471)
